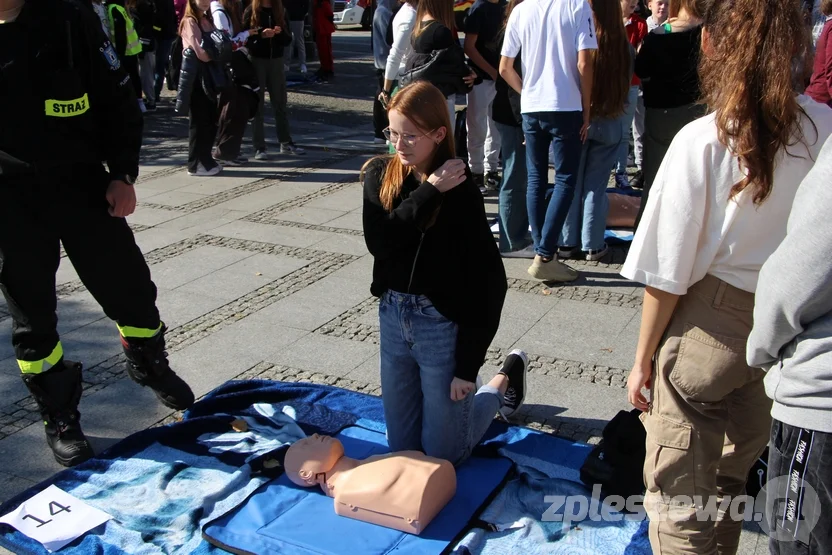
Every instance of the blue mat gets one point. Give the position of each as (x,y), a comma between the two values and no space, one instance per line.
(163,485)
(284,518)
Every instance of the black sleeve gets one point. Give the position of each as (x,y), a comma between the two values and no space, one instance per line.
(111,97)
(644,58)
(484,283)
(386,232)
(442,37)
(120,32)
(473,22)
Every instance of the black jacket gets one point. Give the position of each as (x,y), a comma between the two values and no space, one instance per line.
(64,97)
(259,47)
(454,262)
(297,9)
(166,26)
(506,106)
(445,69)
(439,59)
(144,17)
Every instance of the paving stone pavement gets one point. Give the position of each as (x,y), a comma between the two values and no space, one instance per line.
(263,274)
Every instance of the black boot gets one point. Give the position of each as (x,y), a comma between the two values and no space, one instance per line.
(147,364)
(58,392)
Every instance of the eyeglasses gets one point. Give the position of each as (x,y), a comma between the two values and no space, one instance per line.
(408,140)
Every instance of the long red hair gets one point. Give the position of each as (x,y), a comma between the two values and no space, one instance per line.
(425,106)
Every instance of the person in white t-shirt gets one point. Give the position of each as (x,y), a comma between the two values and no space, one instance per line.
(557,38)
(718,209)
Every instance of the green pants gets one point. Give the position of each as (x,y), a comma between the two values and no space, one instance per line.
(271,76)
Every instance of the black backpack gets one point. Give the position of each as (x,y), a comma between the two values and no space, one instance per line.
(175,65)
(617,463)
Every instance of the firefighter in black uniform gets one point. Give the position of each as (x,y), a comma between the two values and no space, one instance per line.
(66,107)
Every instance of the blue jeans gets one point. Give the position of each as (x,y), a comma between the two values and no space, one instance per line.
(418,348)
(587,219)
(514,217)
(162,61)
(548,207)
(626,123)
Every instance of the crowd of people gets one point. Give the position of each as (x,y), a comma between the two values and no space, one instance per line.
(728,105)
(732,133)
(235,67)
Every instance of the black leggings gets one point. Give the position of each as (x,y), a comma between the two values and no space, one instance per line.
(202,129)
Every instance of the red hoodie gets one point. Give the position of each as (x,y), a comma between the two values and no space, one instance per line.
(637,29)
(322,18)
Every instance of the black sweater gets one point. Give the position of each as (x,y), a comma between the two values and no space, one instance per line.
(668,65)
(260,47)
(454,262)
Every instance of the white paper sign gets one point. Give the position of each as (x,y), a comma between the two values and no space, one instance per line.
(54,518)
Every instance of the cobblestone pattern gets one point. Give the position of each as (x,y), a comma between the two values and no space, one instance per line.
(157,174)
(540,420)
(313,227)
(583,293)
(248,188)
(347,326)
(270,215)
(570,369)
(22,413)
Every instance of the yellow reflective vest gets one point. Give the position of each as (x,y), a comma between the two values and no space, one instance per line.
(134,47)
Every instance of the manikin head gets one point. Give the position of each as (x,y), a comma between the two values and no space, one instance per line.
(311,458)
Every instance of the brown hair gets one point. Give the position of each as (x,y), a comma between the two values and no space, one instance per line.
(440,10)
(613,61)
(425,106)
(277,13)
(696,8)
(826,7)
(234,10)
(746,78)
(192,10)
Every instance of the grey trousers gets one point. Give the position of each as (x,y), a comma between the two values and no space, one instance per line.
(147,73)
(660,126)
(298,42)
(271,76)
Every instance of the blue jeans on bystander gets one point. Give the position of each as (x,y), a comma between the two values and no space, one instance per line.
(548,207)
(626,124)
(418,348)
(514,216)
(587,219)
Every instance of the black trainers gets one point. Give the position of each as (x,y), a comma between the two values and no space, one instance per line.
(492,181)
(147,365)
(514,368)
(57,393)
(637,182)
(479,181)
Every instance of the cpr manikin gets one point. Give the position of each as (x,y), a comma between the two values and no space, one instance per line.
(403,490)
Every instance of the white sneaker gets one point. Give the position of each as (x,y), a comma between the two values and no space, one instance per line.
(593,256)
(553,271)
(291,148)
(303,68)
(202,172)
(261,155)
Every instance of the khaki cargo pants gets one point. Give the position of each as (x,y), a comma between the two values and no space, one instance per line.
(708,421)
